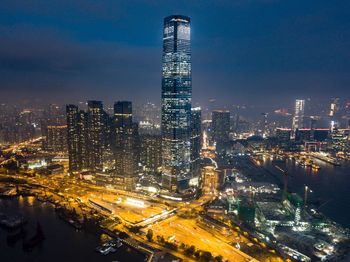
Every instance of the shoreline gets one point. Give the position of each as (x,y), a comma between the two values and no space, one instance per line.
(93,229)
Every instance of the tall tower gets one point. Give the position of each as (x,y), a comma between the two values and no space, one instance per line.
(221,129)
(176,100)
(73,137)
(96,134)
(196,139)
(334,107)
(77,140)
(298,118)
(126,139)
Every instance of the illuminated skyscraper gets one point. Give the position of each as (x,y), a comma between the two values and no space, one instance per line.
(126,139)
(96,134)
(77,141)
(334,107)
(56,138)
(176,100)
(221,129)
(196,139)
(151,152)
(298,118)
(73,137)
(264,125)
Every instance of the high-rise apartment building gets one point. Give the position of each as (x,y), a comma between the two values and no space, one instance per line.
(96,134)
(151,152)
(196,139)
(56,138)
(126,140)
(73,137)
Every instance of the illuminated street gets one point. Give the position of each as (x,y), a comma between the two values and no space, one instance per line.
(158,131)
(188,232)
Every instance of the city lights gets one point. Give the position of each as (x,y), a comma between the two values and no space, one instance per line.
(249,162)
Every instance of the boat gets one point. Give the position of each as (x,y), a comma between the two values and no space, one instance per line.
(315,167)
(110,246)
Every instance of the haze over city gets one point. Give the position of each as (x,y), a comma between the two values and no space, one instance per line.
(244,52)
(174,131)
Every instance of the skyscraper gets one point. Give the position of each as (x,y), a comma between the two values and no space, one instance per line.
(298,118)
(334,107)
(196,139)
(96,134)
(72,137)
(221,129)
(83,157)
(176,100)
(126,139)
(151,152)
(264,125)
(56,138)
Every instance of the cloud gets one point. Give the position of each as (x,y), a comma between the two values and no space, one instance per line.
(33,61)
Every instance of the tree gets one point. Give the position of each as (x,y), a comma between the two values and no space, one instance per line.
(206,256)
(219,258)
(190,251)
(160,239)
(149,234)
(197,254)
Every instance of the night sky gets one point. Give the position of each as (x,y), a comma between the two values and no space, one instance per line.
(243,51)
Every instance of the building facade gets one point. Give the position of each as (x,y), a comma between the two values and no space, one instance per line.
(96,134)
(196,139)
(176,100)
(221,129)
(73,137)
(298,119)
(151,152)
(56,138)
(126,140)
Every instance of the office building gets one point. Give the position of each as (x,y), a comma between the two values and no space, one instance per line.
(298,118)
(221,130)
(176,100)
(334,107)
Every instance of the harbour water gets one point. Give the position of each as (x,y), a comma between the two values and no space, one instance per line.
(329,185)
(62,242)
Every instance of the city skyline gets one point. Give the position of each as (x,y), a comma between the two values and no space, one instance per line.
(239,150)
(273,57)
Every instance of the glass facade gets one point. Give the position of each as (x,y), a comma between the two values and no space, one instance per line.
(298,118)
(176,100)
